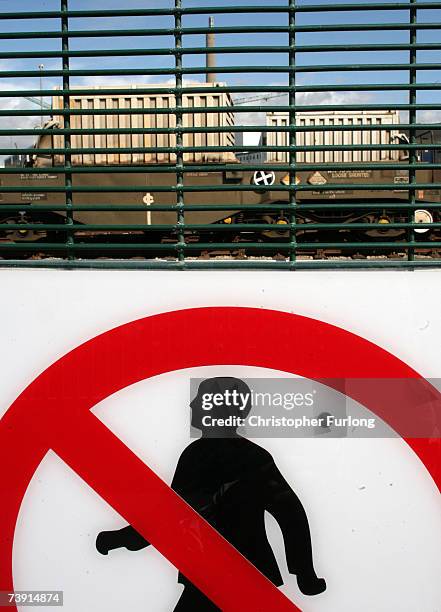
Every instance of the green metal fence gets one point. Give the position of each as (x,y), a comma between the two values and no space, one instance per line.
(161,182)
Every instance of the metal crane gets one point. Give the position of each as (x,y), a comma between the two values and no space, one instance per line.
(239,101)
(40,103)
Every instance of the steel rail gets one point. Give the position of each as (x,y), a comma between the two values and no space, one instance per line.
(221,188)
(189,89)
(306,108)
(115,33)
(215,10)
(216,168)
(167,51)
(219,69)
(223,264)
(302,206)
(264,246)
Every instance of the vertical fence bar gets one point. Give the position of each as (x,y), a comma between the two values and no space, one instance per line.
(67,124)
(179,135)
(292,133)
(413,154)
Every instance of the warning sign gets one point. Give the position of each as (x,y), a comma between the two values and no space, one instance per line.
(54,414)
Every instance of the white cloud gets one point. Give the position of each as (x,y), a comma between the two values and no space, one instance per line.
(16,122)
(112,81)
(340,98)
(128,81)
(430,116)
(303,98)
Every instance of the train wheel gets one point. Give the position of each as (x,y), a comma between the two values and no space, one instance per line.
(18,235)
(384,232)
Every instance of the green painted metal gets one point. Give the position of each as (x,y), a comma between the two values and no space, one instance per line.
(217,167)
(147,246)
(14,93)
(252,264)
(218,188)
(285,36)
(353,27)
(219,50)
(213,10)
(220,207)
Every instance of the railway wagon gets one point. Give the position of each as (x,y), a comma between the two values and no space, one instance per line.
(107,167)
(339,161)
(42,189)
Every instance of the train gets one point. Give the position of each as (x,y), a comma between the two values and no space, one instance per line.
(131,170)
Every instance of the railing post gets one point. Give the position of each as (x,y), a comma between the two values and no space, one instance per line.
(179,134)
(67,126)
(413,154)
(292,133)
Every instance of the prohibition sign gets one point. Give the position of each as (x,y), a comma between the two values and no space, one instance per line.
(53,412)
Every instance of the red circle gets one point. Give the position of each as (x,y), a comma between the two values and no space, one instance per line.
(67,390)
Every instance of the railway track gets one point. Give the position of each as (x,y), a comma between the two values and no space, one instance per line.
(216,245)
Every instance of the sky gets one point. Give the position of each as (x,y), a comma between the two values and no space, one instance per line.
(265,58)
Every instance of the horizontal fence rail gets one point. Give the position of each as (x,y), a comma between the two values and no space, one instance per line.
(221,136)
(214,10)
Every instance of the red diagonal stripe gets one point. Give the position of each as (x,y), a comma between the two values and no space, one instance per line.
(164,519)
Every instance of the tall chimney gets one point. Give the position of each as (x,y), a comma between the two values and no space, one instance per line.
(211,58)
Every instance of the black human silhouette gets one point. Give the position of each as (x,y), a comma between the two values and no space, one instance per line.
(230,482)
